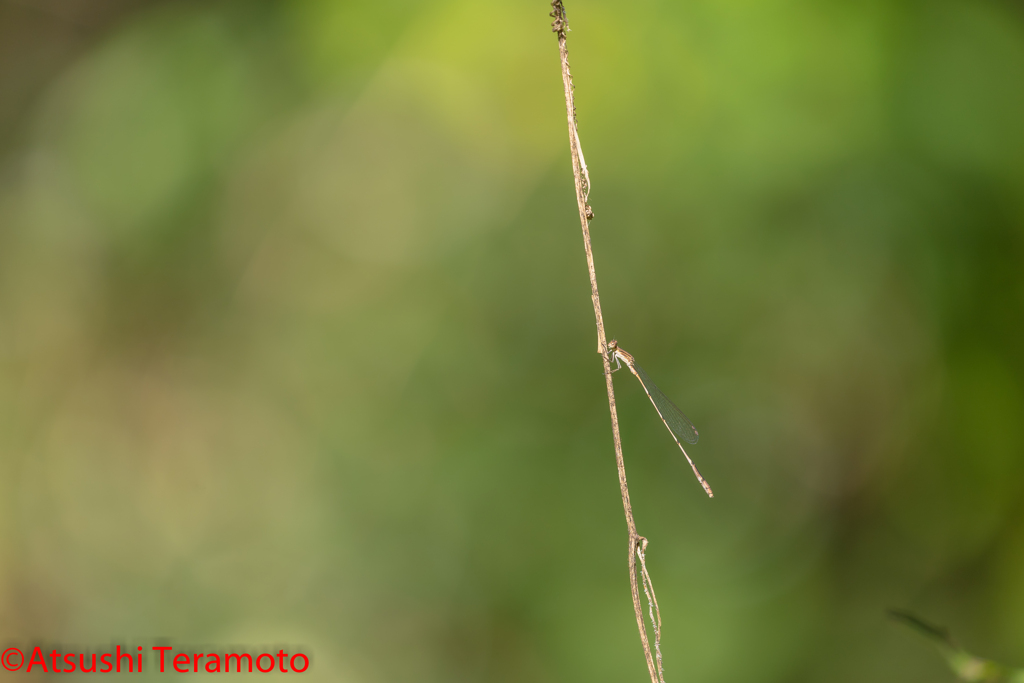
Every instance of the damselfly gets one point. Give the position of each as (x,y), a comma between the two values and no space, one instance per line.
(679,426)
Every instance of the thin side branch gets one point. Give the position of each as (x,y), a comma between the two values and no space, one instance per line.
(579,167)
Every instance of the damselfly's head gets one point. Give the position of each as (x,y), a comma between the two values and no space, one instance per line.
(612,345)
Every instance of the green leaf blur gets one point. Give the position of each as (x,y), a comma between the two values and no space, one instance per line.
(296,343)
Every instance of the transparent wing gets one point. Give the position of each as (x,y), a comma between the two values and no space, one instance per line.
(677,423)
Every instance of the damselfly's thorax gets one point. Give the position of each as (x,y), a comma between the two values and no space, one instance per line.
(618,355)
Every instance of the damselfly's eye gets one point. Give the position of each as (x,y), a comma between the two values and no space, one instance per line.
(590,213)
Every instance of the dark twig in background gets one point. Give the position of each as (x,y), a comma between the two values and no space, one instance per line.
(637,545)
(966,666)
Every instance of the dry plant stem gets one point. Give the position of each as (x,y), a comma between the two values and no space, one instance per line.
(560,26)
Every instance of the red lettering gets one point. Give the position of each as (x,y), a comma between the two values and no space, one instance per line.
(305,663)
(162,650)
(37,652)
(260,658)
(124,655)
(81,663)
(182,662)
(181,658)
(238,662)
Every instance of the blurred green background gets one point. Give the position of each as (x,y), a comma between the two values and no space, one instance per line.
(296,343)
